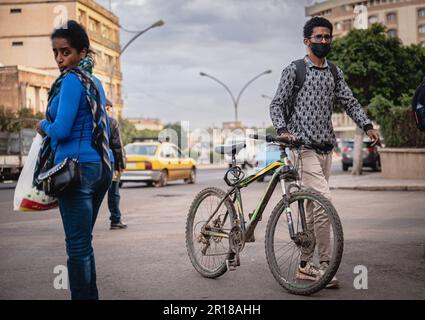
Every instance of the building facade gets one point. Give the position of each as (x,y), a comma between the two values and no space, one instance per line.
(147,123)
(403,18)
(24,87)
(26,25)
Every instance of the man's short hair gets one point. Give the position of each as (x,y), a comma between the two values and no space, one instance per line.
(108,103)
(316,22)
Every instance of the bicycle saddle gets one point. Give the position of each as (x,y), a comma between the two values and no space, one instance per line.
(230,149)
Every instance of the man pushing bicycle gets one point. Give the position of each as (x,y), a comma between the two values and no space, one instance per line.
(302,109)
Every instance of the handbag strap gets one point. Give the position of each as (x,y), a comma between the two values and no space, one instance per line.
(81,134)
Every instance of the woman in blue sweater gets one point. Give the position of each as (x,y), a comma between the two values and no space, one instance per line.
(77,126)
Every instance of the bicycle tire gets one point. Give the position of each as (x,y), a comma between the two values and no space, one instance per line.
(338,242)
(202,195)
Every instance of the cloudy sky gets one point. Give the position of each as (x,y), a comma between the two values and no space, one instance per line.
(232,40)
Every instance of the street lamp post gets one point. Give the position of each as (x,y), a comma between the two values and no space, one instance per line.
(159,23)
(235,100)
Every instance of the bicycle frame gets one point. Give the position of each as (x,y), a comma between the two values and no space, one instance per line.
(283,169)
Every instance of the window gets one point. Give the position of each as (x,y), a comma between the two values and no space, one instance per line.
(15,10)
(115,33)
(17,43)
(105,32)
(347,25)
(93,25)
(373,19)
(421,13)
(81,17)
(134,149)
(177,151)
(338,26)
(421,28)
(392,17)
(392,33)
(167,152)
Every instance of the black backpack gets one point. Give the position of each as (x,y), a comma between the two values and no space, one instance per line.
(300,73)
(418,106)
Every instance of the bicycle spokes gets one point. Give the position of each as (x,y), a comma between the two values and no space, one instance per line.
(294,240)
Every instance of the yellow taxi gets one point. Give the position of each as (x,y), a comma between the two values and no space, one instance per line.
(156,163)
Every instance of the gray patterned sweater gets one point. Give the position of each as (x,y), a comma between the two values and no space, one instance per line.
(311,119)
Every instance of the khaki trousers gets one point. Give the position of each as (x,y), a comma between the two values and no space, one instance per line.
(315,169)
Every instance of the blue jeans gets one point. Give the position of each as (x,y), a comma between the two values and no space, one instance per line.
(79,209)
(114,202)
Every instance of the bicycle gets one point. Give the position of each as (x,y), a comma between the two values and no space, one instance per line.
(215,241)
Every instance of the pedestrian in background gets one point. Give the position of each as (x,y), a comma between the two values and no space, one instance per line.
(77,125)
(118,151)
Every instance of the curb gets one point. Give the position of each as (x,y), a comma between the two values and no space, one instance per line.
(381,188)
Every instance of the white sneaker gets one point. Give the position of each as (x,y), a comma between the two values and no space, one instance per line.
(309,272)
(334,283)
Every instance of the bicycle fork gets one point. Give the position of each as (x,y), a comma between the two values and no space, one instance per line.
(286,189)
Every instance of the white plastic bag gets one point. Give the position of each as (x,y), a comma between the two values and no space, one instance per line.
(27,197)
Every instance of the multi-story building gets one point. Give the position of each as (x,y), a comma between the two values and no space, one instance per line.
(147,123)
(403,18)
(26,25)
(24,87)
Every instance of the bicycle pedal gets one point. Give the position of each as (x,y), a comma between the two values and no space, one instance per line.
(231,264)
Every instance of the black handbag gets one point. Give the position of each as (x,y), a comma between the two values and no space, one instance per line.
(61,178)
(57,181)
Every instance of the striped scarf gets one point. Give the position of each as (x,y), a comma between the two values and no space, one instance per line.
(100,137)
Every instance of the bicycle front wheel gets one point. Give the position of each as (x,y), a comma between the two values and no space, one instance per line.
(307,230)
(207,238)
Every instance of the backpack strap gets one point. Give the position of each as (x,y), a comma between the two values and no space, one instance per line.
(300,74)
(334,72)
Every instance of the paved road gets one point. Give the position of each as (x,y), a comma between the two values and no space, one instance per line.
(384,231)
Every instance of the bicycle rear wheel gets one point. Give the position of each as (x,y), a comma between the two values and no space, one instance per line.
(208,253)
(284,253)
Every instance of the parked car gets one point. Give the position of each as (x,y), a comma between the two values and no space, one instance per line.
(156,163)
(267,155)
(371,157)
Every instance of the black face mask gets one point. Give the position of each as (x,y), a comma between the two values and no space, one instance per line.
(320,50)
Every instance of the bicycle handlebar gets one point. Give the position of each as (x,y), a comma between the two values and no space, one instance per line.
(270,138)
(292,143)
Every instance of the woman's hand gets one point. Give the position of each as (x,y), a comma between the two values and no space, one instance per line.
(39,129)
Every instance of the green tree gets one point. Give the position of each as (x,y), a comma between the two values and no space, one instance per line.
(383,73)
(128,130)
(13,121)
(181,134)
(376,64)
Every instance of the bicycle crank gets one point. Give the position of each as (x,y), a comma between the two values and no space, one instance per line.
(236,239)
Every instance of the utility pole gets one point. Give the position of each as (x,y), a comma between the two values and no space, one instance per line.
(360,22)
